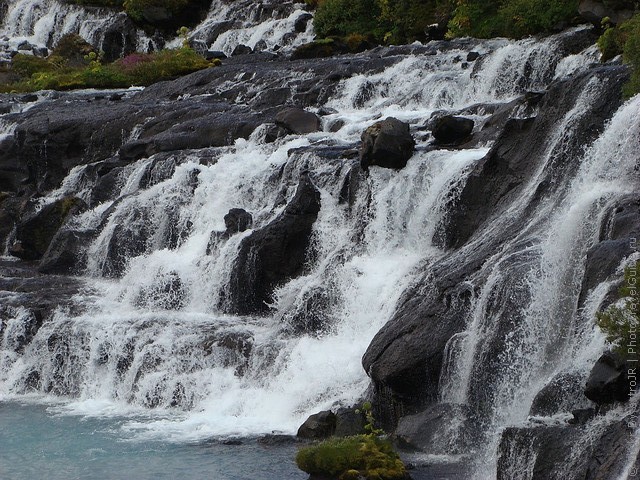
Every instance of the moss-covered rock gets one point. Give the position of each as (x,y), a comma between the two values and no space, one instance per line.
(351,458)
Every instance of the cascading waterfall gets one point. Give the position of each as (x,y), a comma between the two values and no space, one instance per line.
(44,22)
(148,334)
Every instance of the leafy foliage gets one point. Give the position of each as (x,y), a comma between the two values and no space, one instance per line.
(621,323)
(624,39)
(510,18)
(136,8)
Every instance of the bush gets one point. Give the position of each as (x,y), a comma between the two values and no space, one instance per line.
(56,73)
(510,18)
(345,17)
(27,65)
(139,9)
(350,457)
(147,69)
(620,323)
(624,39)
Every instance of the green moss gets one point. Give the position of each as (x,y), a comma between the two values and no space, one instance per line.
(620,324)
(348,458)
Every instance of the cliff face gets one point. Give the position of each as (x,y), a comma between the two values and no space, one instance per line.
(465,283)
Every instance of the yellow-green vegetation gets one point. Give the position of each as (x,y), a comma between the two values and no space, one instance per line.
(350,457)
(59,72)
(620,323)
(354,457)
(394,21)
(624,39)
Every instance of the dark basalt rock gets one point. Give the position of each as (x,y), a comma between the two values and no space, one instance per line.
(120,39)
(498,178)
(237,220)
(608,381)
(34,233)
(67,253)
(426,430)
(593,11)
(241,50)
(620,231)
(387,144)
(319,425)
(349,422)
(297,120)
(272,254)
(548,448)
(405,357)
(301,22)
(450,129)
(563,393)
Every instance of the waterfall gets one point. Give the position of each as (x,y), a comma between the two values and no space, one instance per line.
(147,335)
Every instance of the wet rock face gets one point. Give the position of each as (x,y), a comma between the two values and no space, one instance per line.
(545,452)
(562,394)
(34,234)
(272,254)
(617,241)
(497,179)
(387,144)
(297,120)
(608,381)
(450,129)
(426,430)
(318,425)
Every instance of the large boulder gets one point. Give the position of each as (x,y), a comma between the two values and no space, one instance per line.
(387,144)
(608,381)
(431,429)
(594,11)
(450,129)
(298,120)
(273,254)
(318,425)
(34,234)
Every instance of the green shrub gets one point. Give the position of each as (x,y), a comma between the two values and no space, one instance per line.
(620,324)
(55,73)
(345,17)
(624,39)
(27,65)
(165,64)
(139,9)
(350,457)
(510,18)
